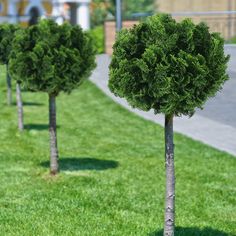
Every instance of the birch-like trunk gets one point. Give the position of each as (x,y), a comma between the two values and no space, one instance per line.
(19,107)
(54,167)
(9,93)
(169,227)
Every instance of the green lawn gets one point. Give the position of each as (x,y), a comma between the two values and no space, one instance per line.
(112,177)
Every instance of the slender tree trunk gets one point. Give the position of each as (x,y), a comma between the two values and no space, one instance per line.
(9,93)
(54,167)
(19,107)
(169,227)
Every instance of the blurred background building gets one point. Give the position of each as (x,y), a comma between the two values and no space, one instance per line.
(24,12)
(27,12)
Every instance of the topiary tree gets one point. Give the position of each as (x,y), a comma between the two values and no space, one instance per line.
(7,34)
(52,59)
(172,68)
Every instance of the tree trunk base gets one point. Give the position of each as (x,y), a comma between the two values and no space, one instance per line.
(9,90)
(54,172)
(54,166)
(19,107)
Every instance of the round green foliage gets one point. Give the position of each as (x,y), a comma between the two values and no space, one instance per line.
(7,34)
(167,66)
(52,58)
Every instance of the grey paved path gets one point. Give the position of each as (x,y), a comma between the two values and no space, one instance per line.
(215,125)
(222,108)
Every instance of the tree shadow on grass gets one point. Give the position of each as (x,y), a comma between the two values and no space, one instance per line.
(192,231)
(30,104)
(38,127)
(83,163)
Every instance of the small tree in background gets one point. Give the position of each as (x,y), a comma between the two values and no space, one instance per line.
(7,34)
(172,68)
(52,59)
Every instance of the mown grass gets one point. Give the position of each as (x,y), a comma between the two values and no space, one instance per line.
(112,173)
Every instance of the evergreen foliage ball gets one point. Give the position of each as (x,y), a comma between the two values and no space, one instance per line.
(168,66)
(7,34)
(52,58)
